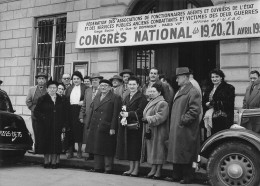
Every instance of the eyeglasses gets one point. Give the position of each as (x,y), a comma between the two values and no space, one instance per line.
(105,86)
(53,88)
(66,78)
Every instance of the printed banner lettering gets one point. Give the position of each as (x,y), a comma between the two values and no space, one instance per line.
(240,20)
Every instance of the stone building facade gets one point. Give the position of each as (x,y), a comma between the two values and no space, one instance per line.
(18,43)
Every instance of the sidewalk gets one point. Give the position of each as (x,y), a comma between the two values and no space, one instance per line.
(119,165)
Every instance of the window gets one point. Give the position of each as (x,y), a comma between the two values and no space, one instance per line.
(50,46)
(145,59)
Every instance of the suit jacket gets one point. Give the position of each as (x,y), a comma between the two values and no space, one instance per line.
(30,97)
(104,116)
(252,101)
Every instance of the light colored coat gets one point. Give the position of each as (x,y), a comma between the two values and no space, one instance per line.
(85,112)
(156,112)
(184,141)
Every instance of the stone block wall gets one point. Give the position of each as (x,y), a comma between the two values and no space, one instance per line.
(237,58)
(17,41)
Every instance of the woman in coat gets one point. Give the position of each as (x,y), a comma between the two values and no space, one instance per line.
(49,112)
(129,142)
(220,95)
(155,116)
(75,95)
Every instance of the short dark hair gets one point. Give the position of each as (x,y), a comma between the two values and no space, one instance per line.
(134,78)
(87,77)
(50,82)
(218,72)
(153,68)
(159,87)
(255,72)
(62,85)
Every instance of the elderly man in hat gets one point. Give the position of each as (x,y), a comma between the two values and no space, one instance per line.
(5,102)
(117,85)
(31,100)
(184,141)
(85,111)
(103,123)
(125,74)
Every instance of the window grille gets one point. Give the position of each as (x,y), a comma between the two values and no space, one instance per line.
(145,59)
(50,46)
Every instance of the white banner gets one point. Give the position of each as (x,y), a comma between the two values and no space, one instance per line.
(200,24)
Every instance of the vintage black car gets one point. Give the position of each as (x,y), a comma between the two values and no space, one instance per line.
(234,154)
(15,138)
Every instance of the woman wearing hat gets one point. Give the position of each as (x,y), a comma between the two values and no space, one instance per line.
(49,112)
(75,95)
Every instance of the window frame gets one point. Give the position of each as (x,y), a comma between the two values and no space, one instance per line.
(53,42)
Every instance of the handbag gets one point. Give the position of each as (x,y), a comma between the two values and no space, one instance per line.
(218,113)
(135,125)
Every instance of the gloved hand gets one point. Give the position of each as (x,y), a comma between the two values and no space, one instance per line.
(144,120)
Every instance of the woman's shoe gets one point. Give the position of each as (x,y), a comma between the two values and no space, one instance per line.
(126,174)
(134,175)
(149,176)
(157,177)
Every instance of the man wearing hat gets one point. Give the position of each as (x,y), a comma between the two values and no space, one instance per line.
(5,102)
(33,95)
(117,85)
(125,74)
(85,110)
(184,141)
(101,140)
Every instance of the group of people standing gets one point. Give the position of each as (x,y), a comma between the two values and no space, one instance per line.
(99,114)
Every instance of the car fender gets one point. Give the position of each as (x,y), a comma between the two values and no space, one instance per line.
(247,136)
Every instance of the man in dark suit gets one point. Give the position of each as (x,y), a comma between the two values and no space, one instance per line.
(101,140)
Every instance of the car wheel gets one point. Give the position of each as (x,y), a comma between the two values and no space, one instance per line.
(234,164)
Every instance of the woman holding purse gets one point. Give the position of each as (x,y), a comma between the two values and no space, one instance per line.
(129,140)
(219,97)
(156,130)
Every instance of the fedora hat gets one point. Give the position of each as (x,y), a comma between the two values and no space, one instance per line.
(116,77)
(41,74)
(78,74)
(126,71)
(96,75)
(182,71)
(106,81)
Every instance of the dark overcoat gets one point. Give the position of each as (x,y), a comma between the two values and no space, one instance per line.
(50,121)
(129,142)
(184,141)
(76,128)
(224,99)
(252,101)
(104,116)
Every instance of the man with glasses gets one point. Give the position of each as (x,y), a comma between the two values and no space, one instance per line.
(103,122)
(34,94)
(66,80)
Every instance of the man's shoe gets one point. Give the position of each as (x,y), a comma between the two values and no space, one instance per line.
(108,172)
(96,170)
(88,158)
(185,182)
(69,156)
(171,179)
